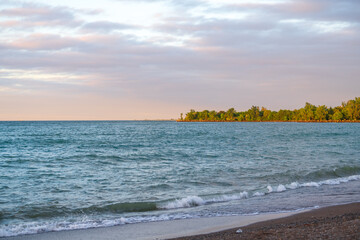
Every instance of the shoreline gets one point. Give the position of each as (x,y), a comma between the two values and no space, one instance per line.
(260,226)
(155,230)
(332,222)
(277,121)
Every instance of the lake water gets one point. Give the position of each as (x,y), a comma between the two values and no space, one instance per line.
(71,175)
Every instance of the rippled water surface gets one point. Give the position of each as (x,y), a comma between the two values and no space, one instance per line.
(69,175)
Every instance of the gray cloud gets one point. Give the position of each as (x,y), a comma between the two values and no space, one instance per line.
(105,26)
(226,62)
(42,42)
(36,15)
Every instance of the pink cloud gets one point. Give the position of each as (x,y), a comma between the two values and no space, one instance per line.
(302,7)
(41,15)
(25,11)
(43,42)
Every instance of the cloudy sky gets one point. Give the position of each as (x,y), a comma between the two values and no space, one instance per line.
(153,59)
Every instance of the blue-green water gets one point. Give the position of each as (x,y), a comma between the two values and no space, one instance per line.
(70,175)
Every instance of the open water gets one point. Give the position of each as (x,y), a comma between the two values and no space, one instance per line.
(70,175)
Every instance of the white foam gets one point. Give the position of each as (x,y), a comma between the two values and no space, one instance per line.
(226,198)
(258,194)
(334,181)
(54,226)
(281,188)
(193,201)
(310,184)
(190,201)
(82,223)
(186,202)
(293,185)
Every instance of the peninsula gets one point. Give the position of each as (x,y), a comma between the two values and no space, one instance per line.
(347,112)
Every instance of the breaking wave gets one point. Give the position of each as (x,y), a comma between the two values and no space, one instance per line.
(295,185)
(88,219)
(193,201)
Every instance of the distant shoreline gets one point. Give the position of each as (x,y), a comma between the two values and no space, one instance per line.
(329,121)
(145,120)
(347,112)
(173,120)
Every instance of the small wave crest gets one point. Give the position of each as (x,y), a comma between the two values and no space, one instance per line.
(190,201)
(295,185)
(337,172)
(193,201)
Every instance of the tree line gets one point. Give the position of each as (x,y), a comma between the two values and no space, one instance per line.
(347,112)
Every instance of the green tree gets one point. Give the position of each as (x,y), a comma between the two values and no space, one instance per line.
(191,116)
(337,116)
(221,115)
(253,114)
(352,109)
(230,114)
(321,113)
(349,110)
(204,115)
(212,116)
(309,111)
(241,117)
(265,114)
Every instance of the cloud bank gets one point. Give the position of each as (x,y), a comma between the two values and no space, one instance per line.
(203,54)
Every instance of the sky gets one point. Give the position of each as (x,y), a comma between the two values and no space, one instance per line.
(155,59)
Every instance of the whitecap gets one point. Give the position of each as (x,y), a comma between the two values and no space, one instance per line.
(310,184)
(293,185)
(186,202)
(226,198)
(281,188)
(258,194)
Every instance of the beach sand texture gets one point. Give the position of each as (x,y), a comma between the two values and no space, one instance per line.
(335,222)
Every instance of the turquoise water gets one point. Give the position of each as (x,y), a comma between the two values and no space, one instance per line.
(69,175)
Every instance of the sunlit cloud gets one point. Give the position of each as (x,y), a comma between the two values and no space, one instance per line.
(63,78)
(318,26)
(188,54)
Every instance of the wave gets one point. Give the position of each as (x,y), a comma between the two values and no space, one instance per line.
(86,222)
(89,217)
(193,201)
(336,172)
(295,185)
(52,211)
(82,222)
(54,226)
(48,212)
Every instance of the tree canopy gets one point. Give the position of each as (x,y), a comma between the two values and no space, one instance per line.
(348,111)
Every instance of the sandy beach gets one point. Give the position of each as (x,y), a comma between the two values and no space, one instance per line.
(335,222)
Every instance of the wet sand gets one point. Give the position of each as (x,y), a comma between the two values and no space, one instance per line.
(335,222)
(154,230)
